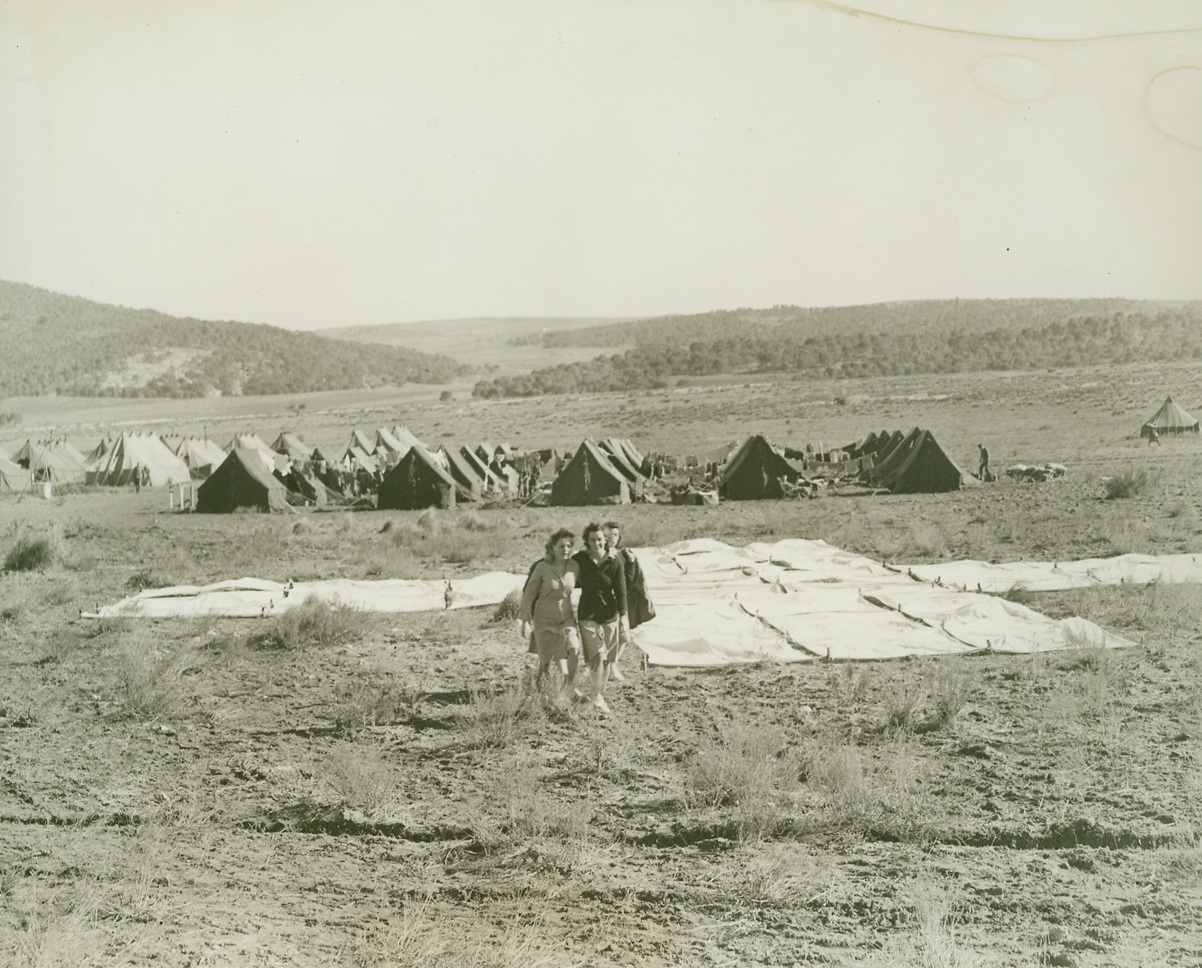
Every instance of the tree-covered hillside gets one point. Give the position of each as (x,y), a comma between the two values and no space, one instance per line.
(51,343)
(953,336)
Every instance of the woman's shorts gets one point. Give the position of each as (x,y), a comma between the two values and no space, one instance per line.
(555,642)
(600,639)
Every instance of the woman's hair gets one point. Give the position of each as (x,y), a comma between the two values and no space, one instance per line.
(556,537)
(589,531)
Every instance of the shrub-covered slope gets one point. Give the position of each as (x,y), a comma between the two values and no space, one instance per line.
(951,336)
(51,343)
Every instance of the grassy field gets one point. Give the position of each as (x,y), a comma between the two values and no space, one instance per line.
(387,790)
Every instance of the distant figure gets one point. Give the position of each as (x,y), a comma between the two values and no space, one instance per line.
(145,476)
(137,475)
(983,466)
(1153,436)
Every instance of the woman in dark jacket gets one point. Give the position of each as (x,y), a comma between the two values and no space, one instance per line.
(602,608)
(639,607)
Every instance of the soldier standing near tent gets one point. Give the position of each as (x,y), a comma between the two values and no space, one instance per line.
(602,609)
(983,465)
(639,608)
(137,476)
(546,610)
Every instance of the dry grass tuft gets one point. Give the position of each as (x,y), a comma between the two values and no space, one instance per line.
(149,678)
(422,938)
(498,720)
(755,771)
(37,552)
(930,941)
(312,624)
(372,701)
(361,779)
(1129,482)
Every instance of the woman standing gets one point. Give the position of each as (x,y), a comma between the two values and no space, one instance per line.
(602,608)
(639,606)
(547,605)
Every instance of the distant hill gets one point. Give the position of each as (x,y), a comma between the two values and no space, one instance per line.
(51,343)
(498,345)
(938,336)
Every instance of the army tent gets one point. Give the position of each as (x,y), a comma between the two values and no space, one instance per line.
(589,478)
(491,481)
(918,465)
(1170,419)
(52,460)
(242,481)
(14,478)
(406,437)
(305,487)
(140,454)
(201,454)
(290,445)
(622,459)
(271,460)
(358,459)
(754,472)
(95,456)
(417,481)
(387,444)
(470,482)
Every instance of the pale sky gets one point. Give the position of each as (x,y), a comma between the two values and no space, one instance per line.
(313,164)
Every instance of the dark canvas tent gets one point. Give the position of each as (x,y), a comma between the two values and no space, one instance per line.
(918,465)
(753,472)
(1170,419)
(589,478)
(242,481)
(417,481)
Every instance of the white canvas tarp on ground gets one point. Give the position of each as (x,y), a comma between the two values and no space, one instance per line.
(792,601)
(254,597)
(1046,576)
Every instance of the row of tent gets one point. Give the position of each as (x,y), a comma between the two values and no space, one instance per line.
(607,471)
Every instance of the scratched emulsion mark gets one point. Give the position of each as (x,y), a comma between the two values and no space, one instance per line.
(1174,103)
(1014,78)
(1042,21)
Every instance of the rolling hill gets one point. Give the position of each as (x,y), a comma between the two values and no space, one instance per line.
(924,337)
(56,344)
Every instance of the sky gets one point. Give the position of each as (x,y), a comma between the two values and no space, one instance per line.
(359,162)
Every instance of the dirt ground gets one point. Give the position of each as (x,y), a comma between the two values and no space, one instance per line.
(387,790)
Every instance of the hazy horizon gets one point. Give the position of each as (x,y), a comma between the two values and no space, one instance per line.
(329,167)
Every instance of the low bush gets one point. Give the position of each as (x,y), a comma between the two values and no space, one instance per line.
(361,779)
(312,624)
(149,679)
(36,553)
(1128,483)
(509,607)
